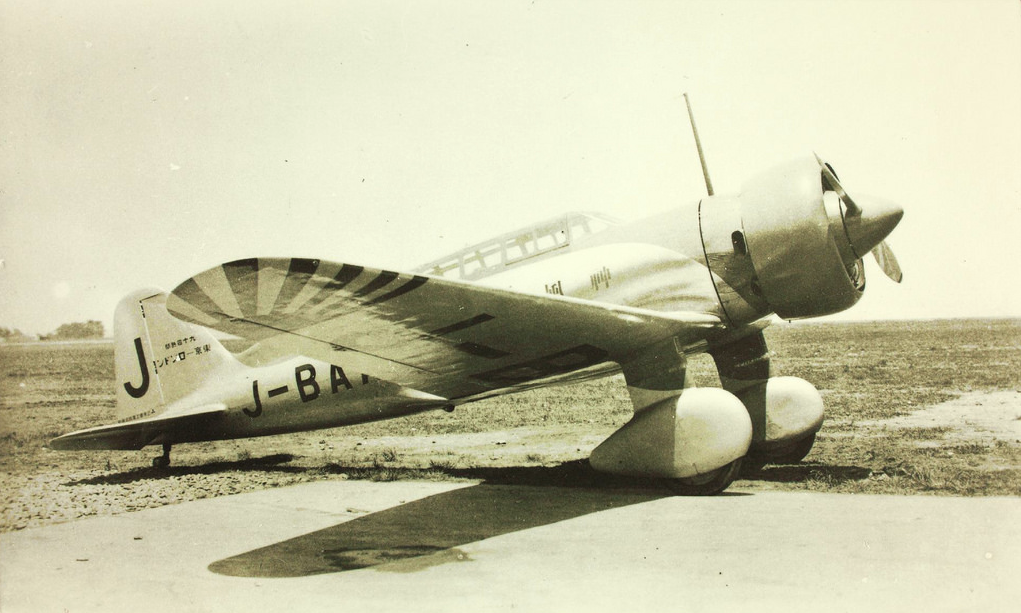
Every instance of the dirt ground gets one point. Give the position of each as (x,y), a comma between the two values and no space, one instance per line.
(983,418)
(912,408)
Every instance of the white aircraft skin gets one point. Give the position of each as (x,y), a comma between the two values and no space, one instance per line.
(573,298)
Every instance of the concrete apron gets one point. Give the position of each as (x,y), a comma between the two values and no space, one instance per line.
(410,546)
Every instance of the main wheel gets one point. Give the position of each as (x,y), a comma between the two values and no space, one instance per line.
(709,484)
(791,453)
(795,453)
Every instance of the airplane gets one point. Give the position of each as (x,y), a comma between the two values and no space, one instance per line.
(573,298)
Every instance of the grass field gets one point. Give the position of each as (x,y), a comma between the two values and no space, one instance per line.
(875,379)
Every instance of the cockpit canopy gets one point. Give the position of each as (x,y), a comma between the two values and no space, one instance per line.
(526,244)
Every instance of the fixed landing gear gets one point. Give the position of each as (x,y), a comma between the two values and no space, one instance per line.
(792,453)
(709,484)
(164,460)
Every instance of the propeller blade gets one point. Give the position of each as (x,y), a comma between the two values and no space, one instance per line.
(853,209)
(887,261)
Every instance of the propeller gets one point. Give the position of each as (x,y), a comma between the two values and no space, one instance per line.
(851,208)
(867,226)
(888,261)
(867,229)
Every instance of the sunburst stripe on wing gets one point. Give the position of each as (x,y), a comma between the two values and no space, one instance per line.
(462,325)
(313,287)
(241,275)
(383,279)
(471,348)
(188,312)
(269,283)
(344,276)
(191,294)
(347,301)
(564,361)
(482,351)
(467,347)
(215,285)
(259,331)
(299,271)
(415,283)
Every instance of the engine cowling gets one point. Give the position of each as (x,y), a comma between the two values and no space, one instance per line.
(791,242)
(795,255)
(695,433)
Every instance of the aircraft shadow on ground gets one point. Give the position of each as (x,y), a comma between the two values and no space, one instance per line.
(800,473)
(572,474)
(428,532)
(269,463)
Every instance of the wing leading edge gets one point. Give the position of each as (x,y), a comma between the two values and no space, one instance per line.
(446,337)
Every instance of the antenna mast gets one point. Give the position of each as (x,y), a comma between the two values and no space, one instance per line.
(698,145)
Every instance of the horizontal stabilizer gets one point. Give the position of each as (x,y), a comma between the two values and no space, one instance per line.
(138,433)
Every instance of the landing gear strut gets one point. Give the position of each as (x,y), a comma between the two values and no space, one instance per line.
(164,460)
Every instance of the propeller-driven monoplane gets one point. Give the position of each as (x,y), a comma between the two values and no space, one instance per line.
(571,298)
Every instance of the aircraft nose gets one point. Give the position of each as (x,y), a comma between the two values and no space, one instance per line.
(876,221)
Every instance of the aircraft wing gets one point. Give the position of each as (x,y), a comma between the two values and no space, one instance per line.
(138,433)
(447,337)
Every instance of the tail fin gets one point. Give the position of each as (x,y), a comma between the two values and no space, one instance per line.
(159,358)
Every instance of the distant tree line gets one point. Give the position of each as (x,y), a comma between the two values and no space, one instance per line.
(77,331)
(12,335)
(88,329)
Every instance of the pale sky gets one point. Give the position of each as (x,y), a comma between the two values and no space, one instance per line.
(144,142)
